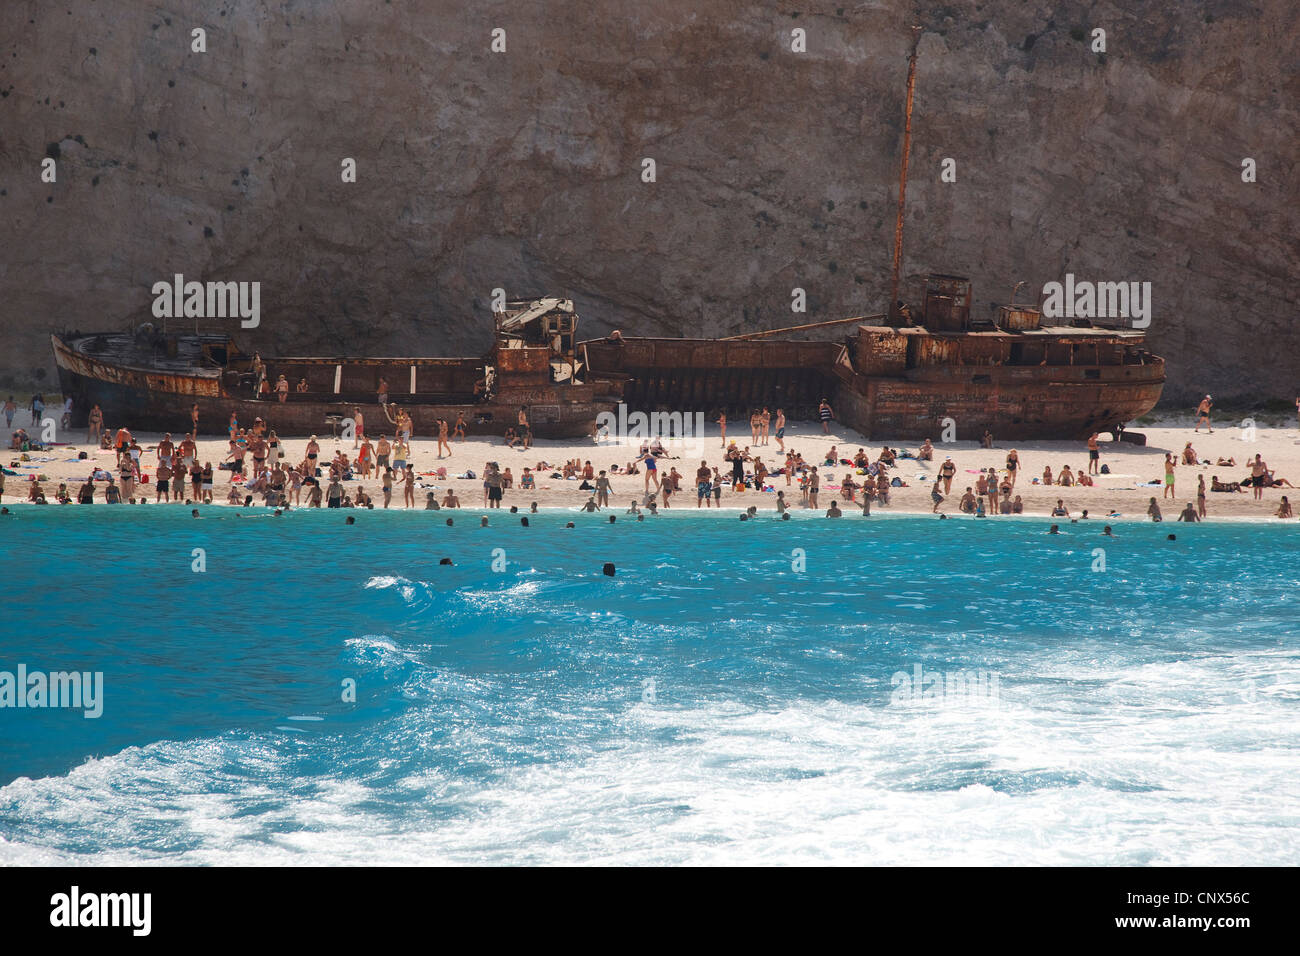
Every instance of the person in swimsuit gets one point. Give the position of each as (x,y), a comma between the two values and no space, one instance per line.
(388,486)
(722,426)
(458,431)
(703,485)
(825,413)
(381,453)
(94,422)
(1284,509)
(651,470)
(442,438)
(207,482)
(1200,496)
(1169,476)
(780,430)
(408,488)
(765,422)
(946,472)
(1203,414)
(1258,476)
(358,427)
(525,432)
(1094,455)
(1153,510)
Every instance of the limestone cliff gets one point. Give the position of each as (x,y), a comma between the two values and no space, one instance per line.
(523,169)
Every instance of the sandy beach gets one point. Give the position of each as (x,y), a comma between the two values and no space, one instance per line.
(1124,490)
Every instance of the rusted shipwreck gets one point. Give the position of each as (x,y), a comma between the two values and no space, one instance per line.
(151,378)
(903,378)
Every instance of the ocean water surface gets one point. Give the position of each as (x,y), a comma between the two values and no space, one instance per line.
(737,693)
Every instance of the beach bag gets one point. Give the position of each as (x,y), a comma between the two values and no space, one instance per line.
(1105,469)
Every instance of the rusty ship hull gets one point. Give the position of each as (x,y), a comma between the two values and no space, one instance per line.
(1012,376)
(151,380)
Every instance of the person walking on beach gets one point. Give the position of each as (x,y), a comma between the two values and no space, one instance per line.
(946,472)
(1203,414)
(442,438)
(1094,455)
(825,413)
(11,407)
(1169,476)
(1013,466)
(37,409)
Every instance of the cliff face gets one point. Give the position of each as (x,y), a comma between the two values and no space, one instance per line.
(523,169)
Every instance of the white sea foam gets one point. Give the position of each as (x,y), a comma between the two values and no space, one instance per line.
(1172,763)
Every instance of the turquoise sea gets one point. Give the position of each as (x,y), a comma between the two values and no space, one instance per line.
(737,693)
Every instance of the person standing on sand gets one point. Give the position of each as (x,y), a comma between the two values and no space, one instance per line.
(1153,510)
(651,470)
(602,490)
(722,426)
(766,421)
(1094,455)
(388,485)
(814,484)
(1013,465)
(1200,497)
(825,413)
(11,407)
(358,427)
(780,429)
(1169,476)
(703,485)
(94,422)
(408,487)
(1258,476)
(1203,414)
(458,430)
(525,433)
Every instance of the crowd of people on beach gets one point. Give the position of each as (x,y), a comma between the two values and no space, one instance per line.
(261,470)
